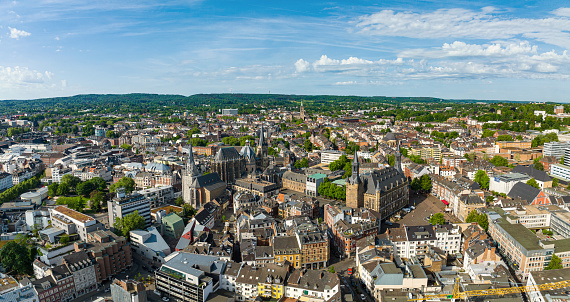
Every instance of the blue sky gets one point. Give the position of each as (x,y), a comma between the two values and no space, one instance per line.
(513,50)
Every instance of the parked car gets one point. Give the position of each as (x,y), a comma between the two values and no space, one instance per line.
(363,297)
(165,299)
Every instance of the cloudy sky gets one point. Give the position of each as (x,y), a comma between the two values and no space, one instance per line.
(515,50)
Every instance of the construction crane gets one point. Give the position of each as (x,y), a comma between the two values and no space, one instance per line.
(456,294)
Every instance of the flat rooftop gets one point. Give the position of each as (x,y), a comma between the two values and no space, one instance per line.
(522,235)
(168,208)
(73,214)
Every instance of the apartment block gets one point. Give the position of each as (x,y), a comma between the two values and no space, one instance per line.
(412,241)
(73,222)
(123,205)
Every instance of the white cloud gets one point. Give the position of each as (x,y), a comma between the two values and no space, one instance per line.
(462,49)
(486,24)
(17,34)
(301,65)
(347,83)
(563,11)
(456,61)
(25,80)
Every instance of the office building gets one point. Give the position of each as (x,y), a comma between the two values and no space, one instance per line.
(556,149)
(128,291)
(123,205)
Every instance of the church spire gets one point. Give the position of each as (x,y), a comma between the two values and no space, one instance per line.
(191,169)
(355,178)
(261,136)
(398,158)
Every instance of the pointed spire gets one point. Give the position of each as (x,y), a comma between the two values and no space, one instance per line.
(190,164)
(355,178)
(261,136)
(378,186)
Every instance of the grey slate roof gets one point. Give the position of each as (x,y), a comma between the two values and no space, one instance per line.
(228,153)
(523,191)
(382,180)
(532,172)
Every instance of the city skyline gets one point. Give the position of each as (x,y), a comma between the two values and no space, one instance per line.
(486,50)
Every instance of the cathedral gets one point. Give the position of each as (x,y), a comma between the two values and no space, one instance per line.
(231,164)
(385,191)
(200,189)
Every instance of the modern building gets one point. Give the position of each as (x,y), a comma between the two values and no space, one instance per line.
(122,205)
(521,248)
(560,171)
(328,156)
(158,195)
(229,111)
(189,277)
(5,181)
(149,244)
(556,149)
(427,152)
(73,222)
(504,183)
(128,291)
(313,183)
(172,225)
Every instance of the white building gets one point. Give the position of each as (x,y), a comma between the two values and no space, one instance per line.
(555,149)
(158,195)
(411,241)
(123,205)
(149,244)
(73,222)
(504,183)
(328,156)
(536,278)
(5,181)
(560,171)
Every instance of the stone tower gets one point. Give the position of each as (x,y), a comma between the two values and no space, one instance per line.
(262,150)
(354,186)
(398,158)
(189,191)
(302,111)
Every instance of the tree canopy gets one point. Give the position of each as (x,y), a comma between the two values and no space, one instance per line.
(482,179)
(128,223)
(125,182)
(437,219)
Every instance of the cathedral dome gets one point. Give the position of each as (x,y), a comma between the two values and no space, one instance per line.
(248,153)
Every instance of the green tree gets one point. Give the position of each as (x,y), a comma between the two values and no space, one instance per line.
(391,159)
(52,189)
(472,217)
(194,130)
(97,198)
(303,163)
(125,182)
(128,223)
(126,146)
(196,141)
(64,239)
(70,180)
(62,189)
(483,221)
(188,211)
(230,141)
(532,182)
(482,179)
(17,257)
(504,137)
(85,188)
(437,219)
(499,161)
(425,182)
(416,184)
(308,145)
(99,183)
(555,263)
(179,201)
(331,270)
(110,134)
(76,203)
(555,182)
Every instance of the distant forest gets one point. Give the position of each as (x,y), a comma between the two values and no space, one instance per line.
(201,103)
